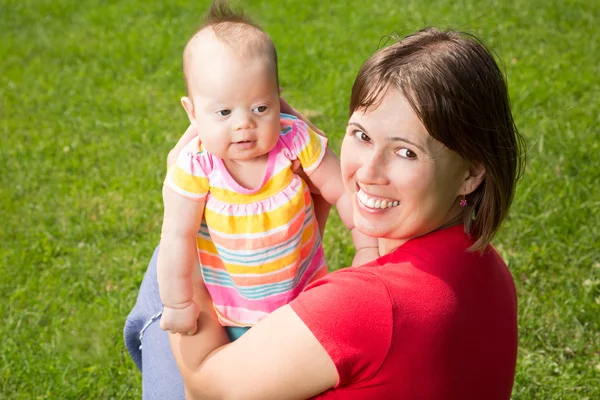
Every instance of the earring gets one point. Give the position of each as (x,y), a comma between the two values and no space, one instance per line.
(463,201)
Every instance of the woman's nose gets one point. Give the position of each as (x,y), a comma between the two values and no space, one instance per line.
(372,170)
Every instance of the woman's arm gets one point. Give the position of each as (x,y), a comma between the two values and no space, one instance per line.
(321,206)
(279,358)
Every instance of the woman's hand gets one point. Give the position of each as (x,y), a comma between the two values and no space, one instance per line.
(321,206)
(187,137)
(286,108)
(278,358)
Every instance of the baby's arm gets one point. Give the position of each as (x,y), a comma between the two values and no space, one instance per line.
(327,177)
(177,259)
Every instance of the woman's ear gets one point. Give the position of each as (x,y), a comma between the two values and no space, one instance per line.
(476,173)
(188,106)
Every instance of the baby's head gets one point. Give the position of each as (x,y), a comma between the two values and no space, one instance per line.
(230,70)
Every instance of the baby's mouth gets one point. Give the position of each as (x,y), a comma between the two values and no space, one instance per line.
(244,144)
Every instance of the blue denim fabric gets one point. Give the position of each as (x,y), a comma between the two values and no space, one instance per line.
(148,345)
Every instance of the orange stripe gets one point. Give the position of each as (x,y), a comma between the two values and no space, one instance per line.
(255,243)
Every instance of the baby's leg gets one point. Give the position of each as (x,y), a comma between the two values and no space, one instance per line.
(149,345)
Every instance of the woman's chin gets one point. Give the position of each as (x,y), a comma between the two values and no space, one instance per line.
(369,228)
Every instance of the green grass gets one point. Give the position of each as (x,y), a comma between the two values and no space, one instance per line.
(90,105)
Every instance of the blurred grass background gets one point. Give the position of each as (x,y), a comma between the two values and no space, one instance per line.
(90,106)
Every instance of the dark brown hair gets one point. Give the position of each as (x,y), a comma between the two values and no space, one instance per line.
(237,31)
(454,85)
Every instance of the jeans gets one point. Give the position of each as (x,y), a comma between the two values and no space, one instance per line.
(149,346)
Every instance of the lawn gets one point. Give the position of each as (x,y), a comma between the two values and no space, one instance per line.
(90,106)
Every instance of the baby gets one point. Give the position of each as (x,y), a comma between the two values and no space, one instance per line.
(232,199)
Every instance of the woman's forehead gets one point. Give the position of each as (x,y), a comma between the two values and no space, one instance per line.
(394,121)
(392,116)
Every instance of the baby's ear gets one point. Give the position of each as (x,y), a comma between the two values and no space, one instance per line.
(188,106)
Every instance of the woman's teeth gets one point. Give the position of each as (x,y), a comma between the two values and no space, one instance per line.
(375,203)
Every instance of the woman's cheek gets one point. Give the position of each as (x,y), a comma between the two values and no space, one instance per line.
(346,162)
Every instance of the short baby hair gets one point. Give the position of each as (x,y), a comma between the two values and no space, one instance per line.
(238,32)
(456,88)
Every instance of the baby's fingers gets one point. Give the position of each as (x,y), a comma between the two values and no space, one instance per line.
(187,137)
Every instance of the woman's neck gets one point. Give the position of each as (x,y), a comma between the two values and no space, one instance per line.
(386,246)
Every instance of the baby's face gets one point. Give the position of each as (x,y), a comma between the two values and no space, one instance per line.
(236,105)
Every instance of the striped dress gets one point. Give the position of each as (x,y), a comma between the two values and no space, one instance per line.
(258,248)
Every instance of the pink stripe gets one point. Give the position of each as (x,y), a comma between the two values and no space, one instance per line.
(261,242)
(228,296)
(240,315)
(291,192)
(240,189)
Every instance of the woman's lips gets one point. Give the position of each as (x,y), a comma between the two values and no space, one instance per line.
(375,203)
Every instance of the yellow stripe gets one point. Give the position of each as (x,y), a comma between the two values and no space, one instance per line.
(259,222)
(308,231)
(275,265)
(312,151)
(273,186)
(207,245)
(187,182)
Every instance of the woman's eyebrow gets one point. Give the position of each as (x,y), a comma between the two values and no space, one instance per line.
(401,139)
(391,138)
(359,126)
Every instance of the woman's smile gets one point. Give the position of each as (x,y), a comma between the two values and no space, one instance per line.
(373,202)
(405,183)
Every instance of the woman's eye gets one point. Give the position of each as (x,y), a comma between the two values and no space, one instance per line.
(223,113)
(260,109)
(406,153)
(363,137)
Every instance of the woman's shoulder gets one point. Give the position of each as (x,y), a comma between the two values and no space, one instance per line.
(443,249)
(438,270)
(345,310)
(353,281)
(343,295)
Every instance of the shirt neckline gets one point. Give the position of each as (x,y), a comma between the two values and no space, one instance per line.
(241,189)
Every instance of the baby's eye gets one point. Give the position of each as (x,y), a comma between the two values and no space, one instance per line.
(223,113)
(406,153)
(260,109)
(360,135)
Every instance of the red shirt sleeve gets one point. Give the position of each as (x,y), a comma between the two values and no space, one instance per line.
(350,313)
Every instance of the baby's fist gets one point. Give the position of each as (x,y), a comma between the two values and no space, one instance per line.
(180,320)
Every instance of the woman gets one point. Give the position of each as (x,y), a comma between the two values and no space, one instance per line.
(430,159)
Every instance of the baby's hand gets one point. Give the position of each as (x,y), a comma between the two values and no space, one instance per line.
(365,255)
(180,320)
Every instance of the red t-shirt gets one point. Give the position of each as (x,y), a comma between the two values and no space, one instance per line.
(427,321)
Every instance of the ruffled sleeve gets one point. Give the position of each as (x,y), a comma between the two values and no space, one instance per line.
(302,142)
(189,175)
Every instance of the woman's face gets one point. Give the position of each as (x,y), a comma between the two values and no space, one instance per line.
(402,182)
